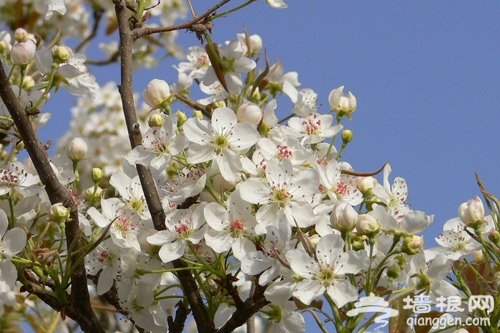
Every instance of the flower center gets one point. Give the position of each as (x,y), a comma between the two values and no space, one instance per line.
(281,196)
(236,227)
(325,275)
(220,142)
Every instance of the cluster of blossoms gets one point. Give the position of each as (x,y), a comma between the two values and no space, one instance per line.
(254,201)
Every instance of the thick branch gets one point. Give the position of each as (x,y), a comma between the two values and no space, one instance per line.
(57,193)
(249,308)
(203,321)
(126,89)
(144,31)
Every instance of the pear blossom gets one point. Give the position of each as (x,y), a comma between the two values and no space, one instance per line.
(279,4)
(183,226)
(314,128)
(393,196)
(130,190)
(430,275)
(279,81)
(14,176)
(454,241)
(326,272)
(22,53)
(267,260)
(343,104)
(125,223)
(197,62)
(185,183)
(51,6)
(282,192)
(71,71)
(472,212)
(157,94)
(12,241)
(106,261)
(234,63)
(288,148)
(305,105)
(229,227)
(158,145)
(337,186)
(222,140)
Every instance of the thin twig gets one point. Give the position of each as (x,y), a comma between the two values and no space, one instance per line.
(98,12)
(144,31)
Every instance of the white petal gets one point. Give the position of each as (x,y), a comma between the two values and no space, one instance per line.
(98,218)
(161,237)
(255,190)
(13,242)
(216,215)
(172,251)
(342,292)
(301,263)
(197,130)
(200,153)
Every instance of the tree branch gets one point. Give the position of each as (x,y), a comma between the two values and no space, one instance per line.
(126,90)
(249,308)
(144,31)
(56,192)
(203,321)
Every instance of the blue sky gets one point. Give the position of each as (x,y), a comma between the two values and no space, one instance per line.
(425,73)
(426,76)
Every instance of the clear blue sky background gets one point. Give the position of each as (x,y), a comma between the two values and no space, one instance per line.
(425,73)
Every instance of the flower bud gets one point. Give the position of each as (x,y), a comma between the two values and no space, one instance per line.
(20,35)
(97,175)
(343,217)
(22,53)
(93,193)
(343,104)
(254,44)
(61,54)
(365,184)
(157,93)
(393,271)
(250,113)
(472,212)
(58,213)
(347,136)
(77,149)
(198,114)
(181,119)
(478,256)
(367,225)
(28,82)
(156,120)
(412,244)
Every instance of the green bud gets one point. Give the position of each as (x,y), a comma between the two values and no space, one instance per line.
(494,236)
(93,193)
(156,120)
(412,244)
(181,119)
(61,54)
(97,175)
(393,271)
(58,213)
(198,114)
(347,136)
